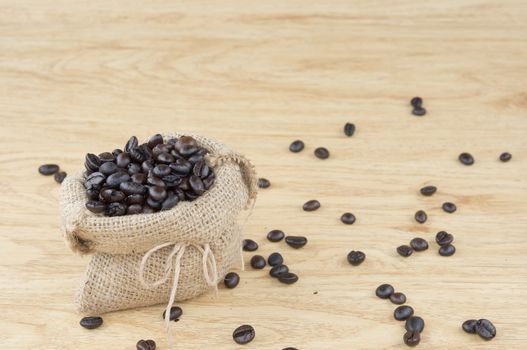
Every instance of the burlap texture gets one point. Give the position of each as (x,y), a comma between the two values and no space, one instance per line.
(112,280)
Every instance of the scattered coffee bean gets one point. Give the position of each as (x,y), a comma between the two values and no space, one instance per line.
(231,280)
(146,345)
(469,326)
(348,218)
(415,323)
(275,259)
(420,216)
(419,244)
(447,250)
(412,338)
(416,102)
(288,278)
(258,262)
(349,129)
(428,190)
(289,348)
(275,235)
(278,269)
(296,146)
(444,238)
(466,158)
(95,206)
(296,241)
(243,334)
(403,312)
(48,169)
(175,313)
(322,153)
(449,207)
(485,329)
(398,298)
(384,291)
(249,245)
(91,322)
(356,257)
(405,250)
(311,205)
(60,176)
(419,111)
(505,156)
(152,343)
(263,183)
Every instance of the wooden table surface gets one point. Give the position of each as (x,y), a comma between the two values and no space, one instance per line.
(82,76)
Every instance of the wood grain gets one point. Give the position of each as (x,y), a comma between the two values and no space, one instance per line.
(80,76)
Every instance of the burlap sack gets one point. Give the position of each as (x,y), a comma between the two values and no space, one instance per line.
(186,249)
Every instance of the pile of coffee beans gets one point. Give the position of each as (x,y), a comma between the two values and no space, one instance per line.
(417,104)
(483,327)
(148,177)
(52,169)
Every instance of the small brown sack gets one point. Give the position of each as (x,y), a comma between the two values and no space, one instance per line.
(137,258)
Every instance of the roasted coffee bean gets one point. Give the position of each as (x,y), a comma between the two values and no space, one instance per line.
(505,156)
(466,158)
(201,169)
(48,169)
(147,165)
(398,298)
(129,188)
(209,181)
(133,168)
(91,322)
(275,259)
(116,152)
(157,193)
(194,158)
(485,329)
(60,176)
(311,205)
(231,280)
(348,218)
(155,181)
(161,170)
(172,180)
(249,245)
(155,140)
(420,216)
(296,146)
(92,162)
(349,129)
(419,244)
(428,190)
(263,183)
(131,144)
(469,326)
(139,178)
(122,160)
(134,209)
(153,204)
(288,278)
(403,312)
(161,148)
(108,168)
(115,209)
(296,241)
(170,202)
(449,207)
(135,199)
(106,157)
(321,153)
(412,338)
(116,179)
(187,150)
(165,158)
(179,193)
(184,184)
(95,181)
(384,291)
(415,323)
(275,235)
(405,250)
(148,210)
(258,262)
(416,102)
(196,184)
(444,238)
(152,343)
(181,167)
(175,313)
(146,345)
(110,195)
(447,250)
(419,111)
(289,348)
(278,269)
(92,194)
(243,334)
(190,196)
(356,257)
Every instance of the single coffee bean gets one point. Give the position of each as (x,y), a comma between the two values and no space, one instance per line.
(208,181)
(175,313)
(243,334)
(131,144)
(60,176)
(505,156)
(201,169)
(398,298)
(296,146)
(152,343)
(249,245)
(145,345)
(416,102)
(349,129)
(147,166)
(419,244)
(134,209)
(356,257)
(181,167)
(92,162)
(415,323)
(95,206)
(139,178)
(263,183)
(420,216)
(231,280)
(403,312)
(148,210)
(135,199)
(321,153)
(161,148)
(157,193)
(449,207)
(195,159)
(428,190)
(258,262)
(447,250)
(485,329)
(115,209)
(106,157)
(296,241)
(275,259)
(289,348)
(469,326)
(92,194)
(48,169)
(466,158)
(412,338)
(444,238)
(166,158)
(196,184)
(155,140)
(108,168)
(123,160)
(133,168)
(155,181)
(170,202)
(161,170)
(129,188)
(91,322)
(278,269)
(419,111)
(405,250)
(116,152)
(275,235)
(115,180)
(110,195)
(153,204)
(384,291)
(348,218)
(311,205)
(95,181)
(288,278)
